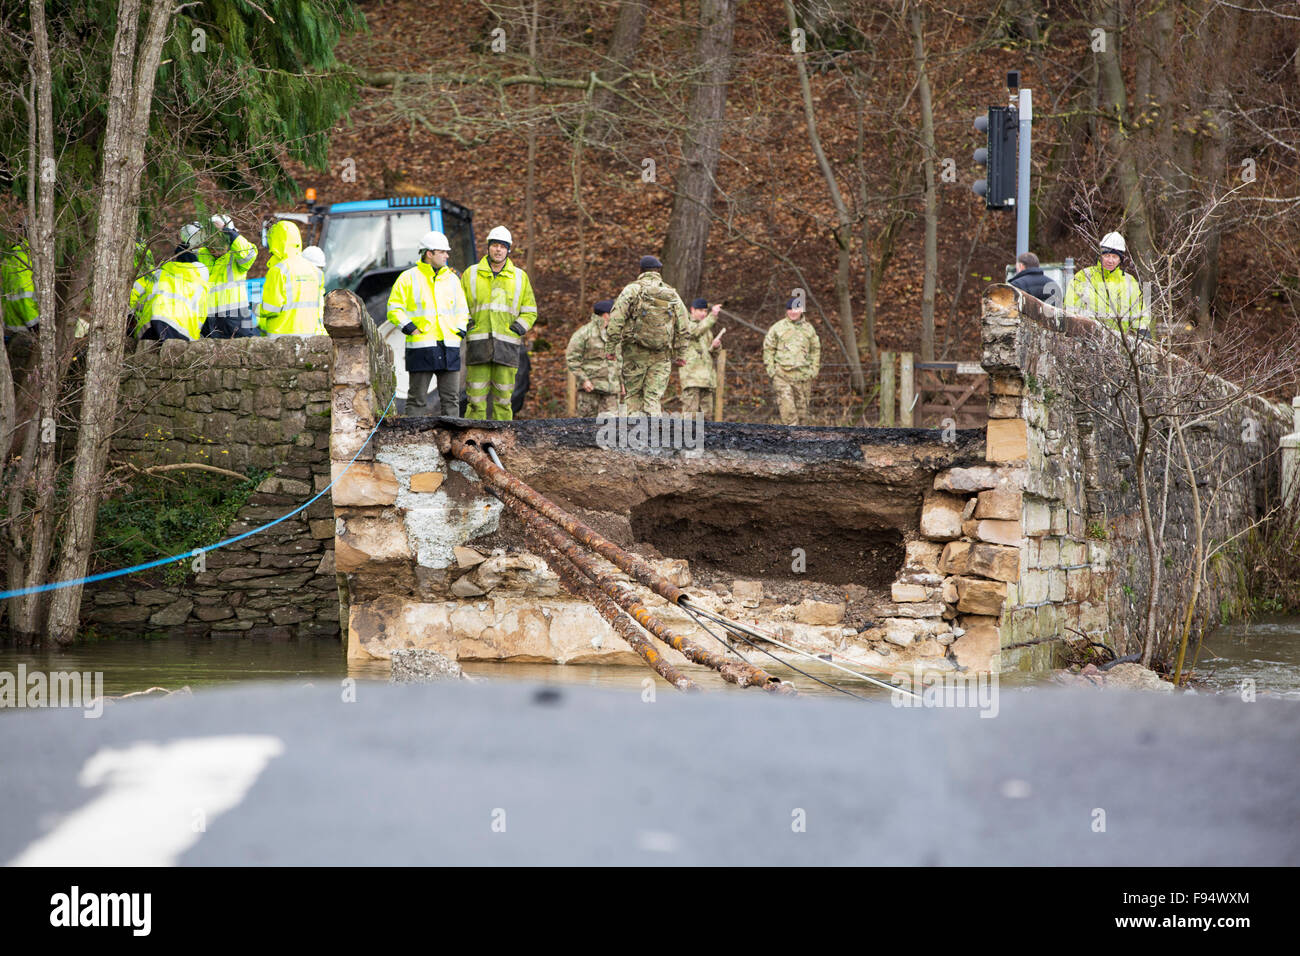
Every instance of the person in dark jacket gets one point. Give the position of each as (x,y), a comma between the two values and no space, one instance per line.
(1030,279)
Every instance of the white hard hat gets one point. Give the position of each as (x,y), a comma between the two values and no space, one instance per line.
(192,235)
(436,241)
(500,234)
(1114,242)
(315,256)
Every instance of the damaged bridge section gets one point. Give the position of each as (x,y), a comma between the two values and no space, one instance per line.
(808,532)
(892,549)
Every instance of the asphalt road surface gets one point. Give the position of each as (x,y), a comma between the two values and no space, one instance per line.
(506,773)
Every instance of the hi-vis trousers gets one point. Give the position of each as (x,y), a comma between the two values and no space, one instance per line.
(482,381)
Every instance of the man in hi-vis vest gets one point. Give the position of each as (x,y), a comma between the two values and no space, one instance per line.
(502,309)
(428,305)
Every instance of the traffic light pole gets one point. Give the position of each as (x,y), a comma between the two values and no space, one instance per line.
(1022,179)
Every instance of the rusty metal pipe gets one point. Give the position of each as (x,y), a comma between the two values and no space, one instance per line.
(520,499)
(634,565)
(618,619)
(736,672)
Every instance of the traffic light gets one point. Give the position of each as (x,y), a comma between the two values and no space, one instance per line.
(999,188)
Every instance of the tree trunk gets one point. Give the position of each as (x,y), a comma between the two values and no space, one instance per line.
(530,185)
(691,216)
(620,59)
(25,612)
(866,337)
(931,198)
(1115,103)
(130,101)
(843,231)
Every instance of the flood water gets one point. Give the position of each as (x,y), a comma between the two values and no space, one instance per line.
(1266,651)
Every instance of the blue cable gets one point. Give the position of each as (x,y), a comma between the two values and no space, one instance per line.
(105,575)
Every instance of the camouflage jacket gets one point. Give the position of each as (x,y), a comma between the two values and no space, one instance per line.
(586,357)
(699,371)
(792,350)
(623,317)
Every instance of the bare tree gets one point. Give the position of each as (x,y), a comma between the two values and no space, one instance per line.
(689,221)
(931,198)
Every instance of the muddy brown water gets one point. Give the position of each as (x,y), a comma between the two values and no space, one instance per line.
(1266,652)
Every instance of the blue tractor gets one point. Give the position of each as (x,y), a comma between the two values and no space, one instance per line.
(367,244)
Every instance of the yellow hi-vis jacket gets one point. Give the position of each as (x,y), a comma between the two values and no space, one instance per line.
(293,297)
(19,287)
(1113,298)
(175,295)
(495,301)
(228,290)
(435,303)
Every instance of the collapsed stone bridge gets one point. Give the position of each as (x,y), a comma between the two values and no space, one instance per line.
(891,548)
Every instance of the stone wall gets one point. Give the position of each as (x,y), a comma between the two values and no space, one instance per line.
(1083,559)
(260,402)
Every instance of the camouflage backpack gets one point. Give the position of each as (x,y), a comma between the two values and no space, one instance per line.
(655,316)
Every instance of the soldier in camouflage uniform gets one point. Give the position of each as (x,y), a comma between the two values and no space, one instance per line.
(699,376)
(644,330)
(792,354)
(591,360)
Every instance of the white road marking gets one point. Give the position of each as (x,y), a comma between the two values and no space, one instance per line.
(158,801)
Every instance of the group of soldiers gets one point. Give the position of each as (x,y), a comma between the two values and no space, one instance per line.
(201,291)
(622,357)
(625,353)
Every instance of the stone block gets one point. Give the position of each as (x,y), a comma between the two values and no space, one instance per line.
(748,593)
(941,516)
(994,531)
(955,558)
(173,615)
(1060,520)
(213,613)
(427,482)
(1005,406)
(930,609)
(267,402)
(1007,439)
(322,528)
(292,614)
(120,614)
(520,571)
(1049,553)
(978,648)
(1034,587)
(155,598)
(1001,503)
(1037,518)
(1006,383)
(467,557)
(923,555)
(948,594)
(465,587)
(978,596)
(999,562)
(366,483)
(1056,585)
(1078,584)
(902,593)
(364,540)
(978,478)
(819,613)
